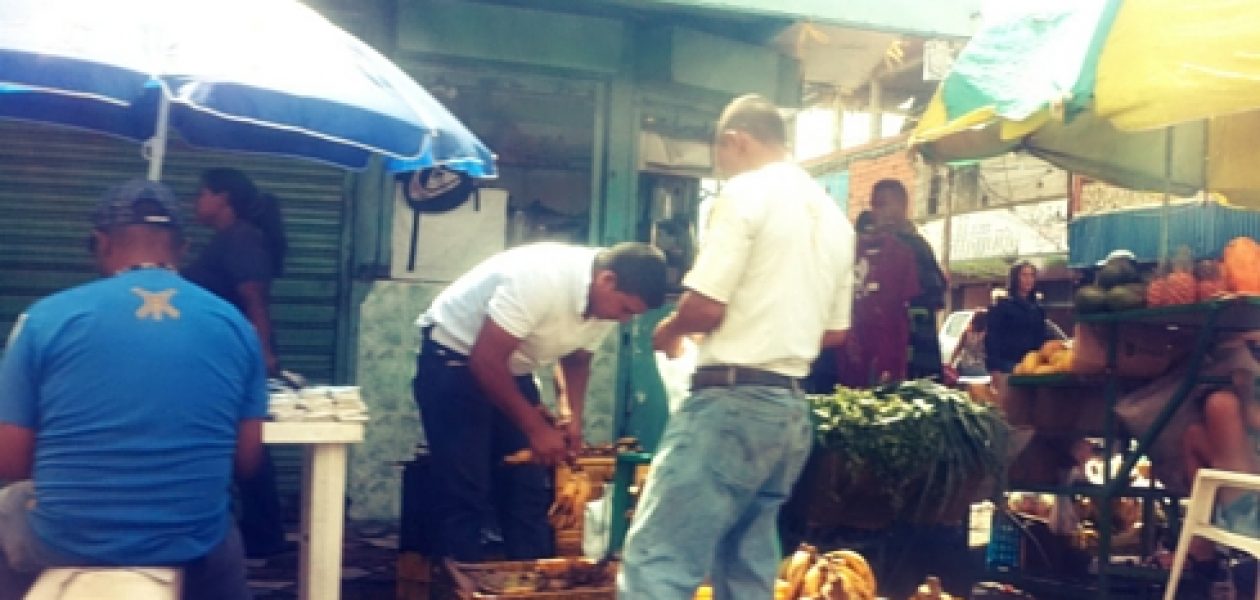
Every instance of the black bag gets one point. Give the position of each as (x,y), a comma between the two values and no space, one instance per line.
(434,190)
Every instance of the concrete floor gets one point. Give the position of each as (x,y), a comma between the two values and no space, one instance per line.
(370,554)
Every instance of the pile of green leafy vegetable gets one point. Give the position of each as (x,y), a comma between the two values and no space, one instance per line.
(919,443)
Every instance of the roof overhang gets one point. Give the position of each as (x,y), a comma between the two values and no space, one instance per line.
(956,18)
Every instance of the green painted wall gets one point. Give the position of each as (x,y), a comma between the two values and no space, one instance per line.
(516,35)
(708,62)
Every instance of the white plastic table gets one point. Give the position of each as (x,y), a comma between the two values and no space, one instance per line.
(323,499)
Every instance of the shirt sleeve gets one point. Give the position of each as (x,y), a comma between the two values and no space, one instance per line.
(996,343)
(257,397)
(597,340)
(19,371)
(910,273)
(842,309)
(517,306)
(931,278)
(725,245)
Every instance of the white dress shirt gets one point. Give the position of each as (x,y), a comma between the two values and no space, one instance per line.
(538,293)
(779,253)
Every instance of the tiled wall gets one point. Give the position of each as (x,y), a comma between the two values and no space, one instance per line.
(386,363)
(387,345)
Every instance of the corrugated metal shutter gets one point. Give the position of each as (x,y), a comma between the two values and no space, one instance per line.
(50,176)
(1204,228)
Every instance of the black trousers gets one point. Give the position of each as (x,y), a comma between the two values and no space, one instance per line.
(262,520)
(925,346)
(468,438)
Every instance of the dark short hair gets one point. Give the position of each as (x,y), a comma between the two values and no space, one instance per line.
(640,270)
(756,116)
(889,185)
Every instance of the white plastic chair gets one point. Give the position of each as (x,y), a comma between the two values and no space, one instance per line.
(1198,521)
(97,583)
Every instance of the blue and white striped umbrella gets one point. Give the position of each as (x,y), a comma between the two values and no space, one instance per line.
(269,76)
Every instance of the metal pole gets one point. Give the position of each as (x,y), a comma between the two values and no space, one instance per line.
(876,110)
(949,237)
(1169,136)
(155,149)
(837,132)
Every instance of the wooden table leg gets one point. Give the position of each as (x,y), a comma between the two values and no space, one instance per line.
(304,533)
(323,500)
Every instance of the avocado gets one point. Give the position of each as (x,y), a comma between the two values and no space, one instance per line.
(1091,299)
(1118,271)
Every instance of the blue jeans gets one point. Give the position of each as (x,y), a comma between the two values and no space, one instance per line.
(219,575)
(727,462)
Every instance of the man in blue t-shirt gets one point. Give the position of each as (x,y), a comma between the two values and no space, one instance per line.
(125,406)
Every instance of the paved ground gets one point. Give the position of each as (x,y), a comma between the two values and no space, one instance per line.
(369,558)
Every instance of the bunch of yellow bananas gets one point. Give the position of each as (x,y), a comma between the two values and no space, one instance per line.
(836,575)
(573,491)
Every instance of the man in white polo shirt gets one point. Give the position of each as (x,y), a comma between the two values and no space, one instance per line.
(771,285)
(483,337)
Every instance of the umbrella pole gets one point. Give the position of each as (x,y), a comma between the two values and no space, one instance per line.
(1164,216)
(155,148)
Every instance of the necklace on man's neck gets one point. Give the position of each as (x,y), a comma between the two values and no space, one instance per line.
(144,265)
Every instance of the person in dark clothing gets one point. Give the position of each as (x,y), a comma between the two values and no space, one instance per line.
(886,278)
(247,251)
(1017,324)
(239,264)
(890,205)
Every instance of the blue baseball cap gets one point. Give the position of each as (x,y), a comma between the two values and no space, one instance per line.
(137,202)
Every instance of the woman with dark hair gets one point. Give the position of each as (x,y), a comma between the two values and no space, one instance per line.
(239,263)
(1017,324)
(247,251)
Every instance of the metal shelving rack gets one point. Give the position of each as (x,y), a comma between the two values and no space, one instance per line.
(1207,320)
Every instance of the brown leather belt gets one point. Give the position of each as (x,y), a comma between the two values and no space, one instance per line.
(727,376)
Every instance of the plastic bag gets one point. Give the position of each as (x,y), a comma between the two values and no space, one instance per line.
(596,520)
(676,373)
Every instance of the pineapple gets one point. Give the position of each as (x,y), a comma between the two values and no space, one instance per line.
(1183,288)
(1211,279)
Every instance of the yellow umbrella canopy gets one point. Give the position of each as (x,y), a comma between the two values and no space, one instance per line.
(1160,95)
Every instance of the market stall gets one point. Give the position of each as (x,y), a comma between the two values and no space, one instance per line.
(1130,387)
(1159,96)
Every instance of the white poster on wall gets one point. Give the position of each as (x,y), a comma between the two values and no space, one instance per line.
(447,244)
(1021,230)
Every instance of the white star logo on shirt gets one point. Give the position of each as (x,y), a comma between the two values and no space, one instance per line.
(156,305)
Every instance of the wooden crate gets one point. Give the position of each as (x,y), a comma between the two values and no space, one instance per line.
(458,584)
(600,470)
(569,542)
(415,577)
